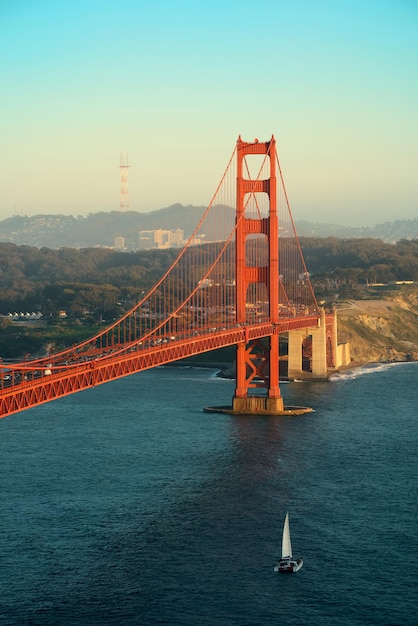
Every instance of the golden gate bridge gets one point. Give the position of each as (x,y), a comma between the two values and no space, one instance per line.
(240,280)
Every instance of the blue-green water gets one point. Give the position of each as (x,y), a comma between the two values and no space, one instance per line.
(127,504)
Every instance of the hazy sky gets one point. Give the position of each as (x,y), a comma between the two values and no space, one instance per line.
(174,82)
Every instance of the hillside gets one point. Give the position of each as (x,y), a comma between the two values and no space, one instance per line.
(381,330)
(101,228)
(390,232)
(377,311)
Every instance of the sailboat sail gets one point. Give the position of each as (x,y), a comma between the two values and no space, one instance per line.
(286,544)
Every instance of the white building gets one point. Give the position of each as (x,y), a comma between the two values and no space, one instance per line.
(160,239)
(119,243)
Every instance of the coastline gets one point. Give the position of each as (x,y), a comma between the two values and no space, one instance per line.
(227,369)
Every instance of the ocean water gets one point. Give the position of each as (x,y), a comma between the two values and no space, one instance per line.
(127,504)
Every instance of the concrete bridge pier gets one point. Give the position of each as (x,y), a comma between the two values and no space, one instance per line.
(254,405)
(318,335)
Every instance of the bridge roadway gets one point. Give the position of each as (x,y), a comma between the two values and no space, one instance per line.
(27,385)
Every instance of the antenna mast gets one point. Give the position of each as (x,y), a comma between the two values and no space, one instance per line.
(124,195)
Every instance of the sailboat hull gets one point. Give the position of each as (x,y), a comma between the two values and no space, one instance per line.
(289,566)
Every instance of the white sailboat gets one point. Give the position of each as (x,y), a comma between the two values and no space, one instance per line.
(287,563)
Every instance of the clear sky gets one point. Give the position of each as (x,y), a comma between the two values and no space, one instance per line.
(174,82)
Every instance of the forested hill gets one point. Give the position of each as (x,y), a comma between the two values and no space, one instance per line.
(100,229)
(77,280)
(68,294)
(361,260)
(390,232)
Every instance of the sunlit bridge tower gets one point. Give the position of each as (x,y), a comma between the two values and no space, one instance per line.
(124,194)
(247,274)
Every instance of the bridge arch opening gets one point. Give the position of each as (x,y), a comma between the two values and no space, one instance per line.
(257,303)
(256,167)
(256,205)
(256,250)
(307,354)
(330,353)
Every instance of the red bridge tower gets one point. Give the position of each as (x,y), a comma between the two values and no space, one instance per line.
(257,360)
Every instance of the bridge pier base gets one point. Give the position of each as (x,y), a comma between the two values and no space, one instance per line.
(258,405)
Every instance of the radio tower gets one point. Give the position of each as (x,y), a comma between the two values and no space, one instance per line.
(124,195)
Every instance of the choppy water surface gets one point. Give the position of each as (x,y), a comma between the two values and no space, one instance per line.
(126,504)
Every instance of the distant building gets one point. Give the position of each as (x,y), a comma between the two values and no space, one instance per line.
(160,239)
(119,243)
(177,238)
(25,317)
(145,239)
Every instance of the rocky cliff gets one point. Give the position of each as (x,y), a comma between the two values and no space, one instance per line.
(381,330)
